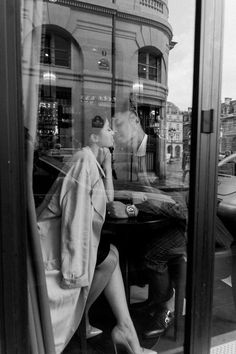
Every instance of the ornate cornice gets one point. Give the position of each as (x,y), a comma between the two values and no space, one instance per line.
(145,21)
(83,6)
(111,11)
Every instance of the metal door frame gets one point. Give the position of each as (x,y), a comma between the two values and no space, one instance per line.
(206,102)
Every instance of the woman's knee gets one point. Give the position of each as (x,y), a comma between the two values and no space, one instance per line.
(115,253)
(111,260)
(113,256)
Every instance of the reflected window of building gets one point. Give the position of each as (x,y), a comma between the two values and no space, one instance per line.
(149,65)
(55,48)
(54,118)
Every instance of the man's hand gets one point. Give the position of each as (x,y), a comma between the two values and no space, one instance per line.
(104,158)
(117,210)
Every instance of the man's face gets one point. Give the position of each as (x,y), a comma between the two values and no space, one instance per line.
(123,127)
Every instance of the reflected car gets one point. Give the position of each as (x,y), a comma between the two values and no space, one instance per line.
(47,168)
(45,171)
(226,192)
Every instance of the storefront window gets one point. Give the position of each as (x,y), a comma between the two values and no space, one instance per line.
(126,67)
(84,73)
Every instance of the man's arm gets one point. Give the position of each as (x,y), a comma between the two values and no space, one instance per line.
(119,210)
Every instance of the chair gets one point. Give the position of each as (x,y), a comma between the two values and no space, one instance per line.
(225,265)
(82,335)
(177,269)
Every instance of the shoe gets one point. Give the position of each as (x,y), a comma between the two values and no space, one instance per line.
(158,325)
(122,346)
(92,332)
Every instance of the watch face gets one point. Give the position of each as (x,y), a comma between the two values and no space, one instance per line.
(130,210)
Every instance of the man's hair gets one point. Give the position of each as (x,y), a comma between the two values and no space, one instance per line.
(129,104)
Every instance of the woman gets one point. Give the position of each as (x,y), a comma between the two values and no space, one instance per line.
(70,221)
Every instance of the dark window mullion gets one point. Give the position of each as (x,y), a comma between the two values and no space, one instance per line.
(147,70)
(53,49)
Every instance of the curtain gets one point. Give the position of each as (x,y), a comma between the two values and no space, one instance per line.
(40,328)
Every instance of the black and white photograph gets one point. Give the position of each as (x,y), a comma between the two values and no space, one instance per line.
(118,177)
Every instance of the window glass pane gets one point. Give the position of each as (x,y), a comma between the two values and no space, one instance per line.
(152,73)
(159,69)
(62,51)
(92,68)
(45,49)
(142,58)
(224,297)
(61,58)
(142,71)
(152,60)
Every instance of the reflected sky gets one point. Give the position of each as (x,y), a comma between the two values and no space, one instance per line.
(181,57)
(229,51)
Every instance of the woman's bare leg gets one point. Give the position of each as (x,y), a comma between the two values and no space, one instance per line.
(115,294)
(102,276)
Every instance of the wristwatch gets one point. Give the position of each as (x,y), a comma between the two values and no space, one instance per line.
(130,210)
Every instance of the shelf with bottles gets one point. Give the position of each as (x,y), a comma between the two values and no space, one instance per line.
(48,113)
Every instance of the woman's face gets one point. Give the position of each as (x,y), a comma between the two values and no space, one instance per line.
(106,136)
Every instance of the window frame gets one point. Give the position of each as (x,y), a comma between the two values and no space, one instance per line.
(52,34)
(147,65)
(13,211)
(13,280)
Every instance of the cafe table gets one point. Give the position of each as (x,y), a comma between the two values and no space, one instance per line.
(125,234)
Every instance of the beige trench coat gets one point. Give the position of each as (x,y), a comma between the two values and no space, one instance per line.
(69,222)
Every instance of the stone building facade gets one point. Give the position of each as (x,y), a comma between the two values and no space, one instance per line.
(174,131)
(92,57)
(227,139)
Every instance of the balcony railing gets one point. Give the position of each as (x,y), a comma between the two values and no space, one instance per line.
(153,4)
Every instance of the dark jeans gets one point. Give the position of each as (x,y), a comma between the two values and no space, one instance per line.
(166,247)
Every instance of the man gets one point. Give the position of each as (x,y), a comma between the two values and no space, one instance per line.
(160,247)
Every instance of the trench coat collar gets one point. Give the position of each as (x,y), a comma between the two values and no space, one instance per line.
(97,163)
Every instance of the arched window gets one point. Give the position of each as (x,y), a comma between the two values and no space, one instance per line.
(149,65)
(55,48)
(177,151)
(234,144)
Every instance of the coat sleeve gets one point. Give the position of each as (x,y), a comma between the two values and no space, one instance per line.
(76,226)
(174,209)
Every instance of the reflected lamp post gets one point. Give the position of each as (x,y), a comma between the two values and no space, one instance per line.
(171,132)
(221,139)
